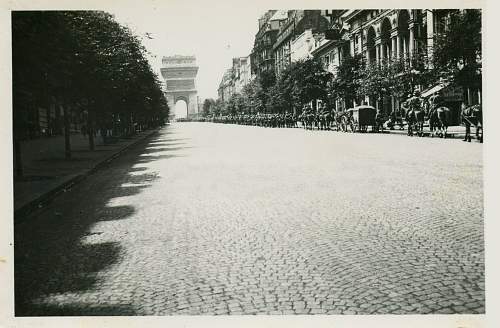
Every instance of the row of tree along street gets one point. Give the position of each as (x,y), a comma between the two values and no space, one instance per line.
(80,71)
(455,61)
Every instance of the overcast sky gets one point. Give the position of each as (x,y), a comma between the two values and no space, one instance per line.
(213,33)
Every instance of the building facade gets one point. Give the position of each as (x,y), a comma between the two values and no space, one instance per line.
(242,72)
(235,78)
(226,85)
(381,36)
(294,40)
(377,36)
(262,55)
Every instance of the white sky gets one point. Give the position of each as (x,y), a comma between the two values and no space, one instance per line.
(213,33)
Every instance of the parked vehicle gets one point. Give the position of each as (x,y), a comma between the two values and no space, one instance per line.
(362,117)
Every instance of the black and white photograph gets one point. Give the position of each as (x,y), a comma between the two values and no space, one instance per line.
(189,159)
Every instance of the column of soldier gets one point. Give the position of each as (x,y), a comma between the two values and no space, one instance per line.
(413,114)
(322,118)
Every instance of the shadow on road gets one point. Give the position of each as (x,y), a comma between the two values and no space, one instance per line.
(162,150)
(59,251)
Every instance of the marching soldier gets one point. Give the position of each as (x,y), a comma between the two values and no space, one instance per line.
(413,104)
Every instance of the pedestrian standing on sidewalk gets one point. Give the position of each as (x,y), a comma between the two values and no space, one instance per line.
(466,116)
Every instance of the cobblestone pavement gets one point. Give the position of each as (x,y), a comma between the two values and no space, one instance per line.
(224,219)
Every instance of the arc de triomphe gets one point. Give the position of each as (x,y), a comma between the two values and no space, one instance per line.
(180,73)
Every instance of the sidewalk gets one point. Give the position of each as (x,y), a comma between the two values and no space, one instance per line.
(47,172)
(454,132)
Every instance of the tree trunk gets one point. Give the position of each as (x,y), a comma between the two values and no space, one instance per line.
(132,125)
(67,131)
(90,124)
(18,158)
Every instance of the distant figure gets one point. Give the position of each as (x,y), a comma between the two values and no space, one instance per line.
(466,114)
(379,124)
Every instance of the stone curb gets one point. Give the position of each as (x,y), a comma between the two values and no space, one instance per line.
(42,200)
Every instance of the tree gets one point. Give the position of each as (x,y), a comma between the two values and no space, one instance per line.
(253,97)
(208,105)
(378,80)
(276,102)
(235,104)
(457,52)
(85,60)
(347,80)
(266,81)
(219,107)
(307,81)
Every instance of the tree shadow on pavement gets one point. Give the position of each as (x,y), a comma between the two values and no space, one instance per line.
(61,249)
(151,158)
(157,140)
(152,150)
(163,143)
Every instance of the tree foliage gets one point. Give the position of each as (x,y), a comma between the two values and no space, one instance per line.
(219,107)
(375,80)
(235,104)
(308,81)
(298,84)
(347,80)
(253,97)
(84,59)
(457,51)
(208,107)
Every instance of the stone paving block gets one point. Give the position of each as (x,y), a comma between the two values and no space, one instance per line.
(198,227)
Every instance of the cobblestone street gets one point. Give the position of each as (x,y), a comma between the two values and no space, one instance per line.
(208,218)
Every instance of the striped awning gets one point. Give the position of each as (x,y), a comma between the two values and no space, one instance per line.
(432,90)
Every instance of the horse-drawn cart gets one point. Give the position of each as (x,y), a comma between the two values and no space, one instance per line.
(362,117)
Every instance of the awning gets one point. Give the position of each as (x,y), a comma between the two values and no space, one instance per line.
(280,15)
(432,90)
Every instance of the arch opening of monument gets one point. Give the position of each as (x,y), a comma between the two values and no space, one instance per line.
(181,108)
(180,73)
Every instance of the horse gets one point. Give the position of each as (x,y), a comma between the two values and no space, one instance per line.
(434,123)
(348,122)
(410,120)
(340,121)
(476,119)
(419,121)
(444,115)
(324,121)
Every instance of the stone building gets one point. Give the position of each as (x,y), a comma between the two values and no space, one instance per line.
(376,35)
(294,40)
(379,36)
(226,85)
(262,55)
(241,72)
(333,46)
(235,78)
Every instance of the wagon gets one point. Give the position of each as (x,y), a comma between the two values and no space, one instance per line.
(362,117)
